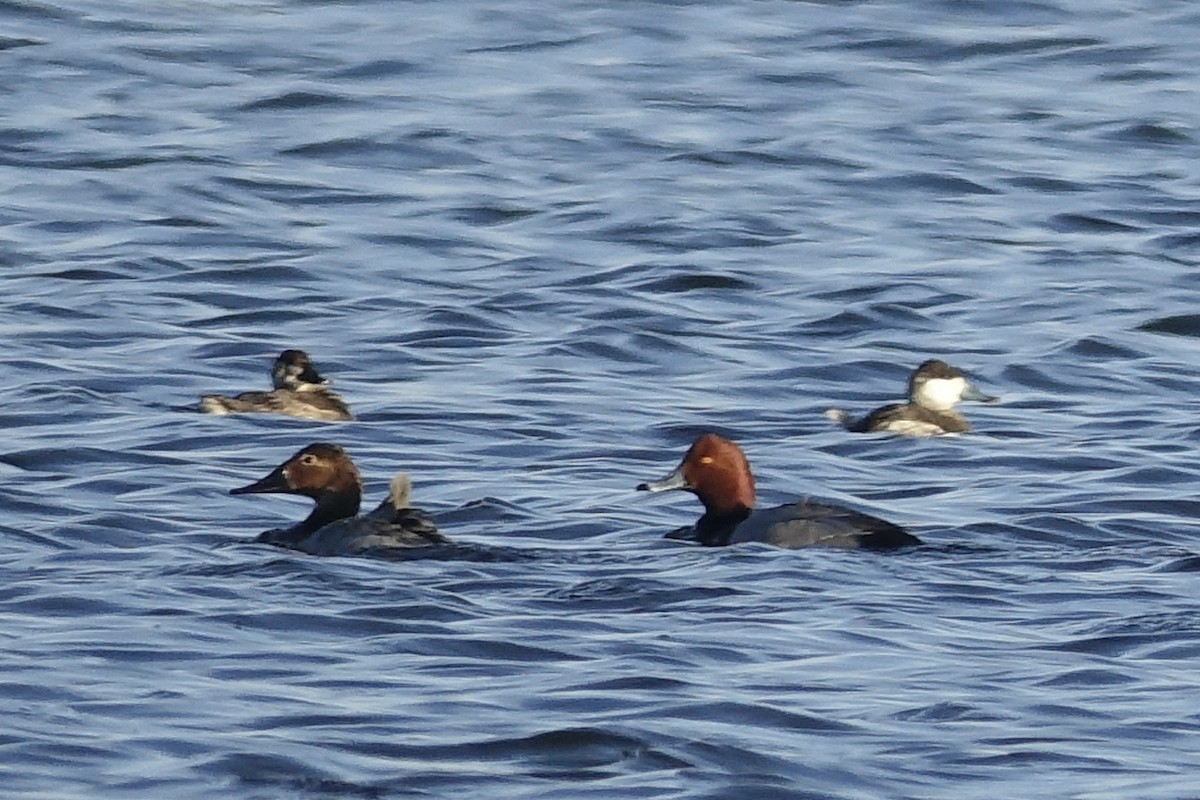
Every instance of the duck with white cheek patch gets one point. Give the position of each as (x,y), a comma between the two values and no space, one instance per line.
(934,388)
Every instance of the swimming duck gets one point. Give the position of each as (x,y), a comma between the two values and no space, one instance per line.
(716,470)
(325,473)
(300,391)
(933,390)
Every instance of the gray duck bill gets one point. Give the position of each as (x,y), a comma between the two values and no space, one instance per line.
(673,481)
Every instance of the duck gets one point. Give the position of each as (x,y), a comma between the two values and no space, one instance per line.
(934,388)
(300,391)
(717,471)
(325,473)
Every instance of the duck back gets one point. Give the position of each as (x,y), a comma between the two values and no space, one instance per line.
(398,529)
(315,404)
(808,523)
(911,419)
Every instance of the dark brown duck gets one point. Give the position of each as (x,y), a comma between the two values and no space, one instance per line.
(324,473)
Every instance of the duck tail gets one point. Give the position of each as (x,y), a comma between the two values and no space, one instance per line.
(399,491)
(215,404)
(839,416)
(397,501)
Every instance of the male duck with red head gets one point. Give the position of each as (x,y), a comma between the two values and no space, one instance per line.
(325,473)
(716,471)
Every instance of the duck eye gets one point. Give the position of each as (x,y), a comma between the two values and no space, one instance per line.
(308,459)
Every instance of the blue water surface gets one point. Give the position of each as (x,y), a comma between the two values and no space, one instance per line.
(539,248)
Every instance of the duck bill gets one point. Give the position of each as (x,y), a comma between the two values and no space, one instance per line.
(673,481)
(310,375)
(971,393)
(275,482)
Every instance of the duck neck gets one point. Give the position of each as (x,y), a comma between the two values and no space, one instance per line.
(716,526)
(330,507)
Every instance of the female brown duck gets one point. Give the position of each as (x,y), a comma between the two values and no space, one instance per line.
(325,473)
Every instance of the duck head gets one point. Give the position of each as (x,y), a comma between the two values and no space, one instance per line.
(939,387)
(321,471)
(715,470)
(294,370)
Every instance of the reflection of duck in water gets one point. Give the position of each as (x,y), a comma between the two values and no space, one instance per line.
(933,390)
(325,473)
(716,471)
(300,391)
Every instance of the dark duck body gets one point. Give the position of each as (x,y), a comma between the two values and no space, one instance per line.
(716,470)
(934,388)
(300,391)
(325,473)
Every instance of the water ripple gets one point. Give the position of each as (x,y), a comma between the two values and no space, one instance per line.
(539,253)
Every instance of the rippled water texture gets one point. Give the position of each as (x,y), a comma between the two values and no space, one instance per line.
(539,248)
